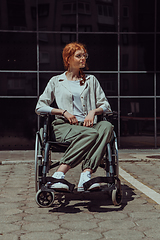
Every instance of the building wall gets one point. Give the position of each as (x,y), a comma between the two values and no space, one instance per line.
(122,38)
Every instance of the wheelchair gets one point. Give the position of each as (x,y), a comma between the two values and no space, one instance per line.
(46,143)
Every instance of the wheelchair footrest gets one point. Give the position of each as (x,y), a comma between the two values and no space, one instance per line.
(110,180)
(55,180)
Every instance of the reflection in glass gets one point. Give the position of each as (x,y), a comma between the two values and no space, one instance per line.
(108,82)
(19,123)
(102,50)
(18,15)
(137,52)
(18,52)
(114,106)
(137,85)
(51,46)
(158,52)
(158,85)
(97,16)
(18,84)
(44,79)
(158,16)
(57,15)
(137,15)
(137,123)
(158,123)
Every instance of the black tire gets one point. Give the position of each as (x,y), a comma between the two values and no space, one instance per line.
(44,199)
(38,159)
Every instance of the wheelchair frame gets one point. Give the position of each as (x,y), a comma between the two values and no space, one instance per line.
(45,143)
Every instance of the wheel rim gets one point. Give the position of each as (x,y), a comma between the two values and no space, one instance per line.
(116,197)
(44,198)
(38,161)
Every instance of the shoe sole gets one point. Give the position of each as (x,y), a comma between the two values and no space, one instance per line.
(91,188)
(60,188)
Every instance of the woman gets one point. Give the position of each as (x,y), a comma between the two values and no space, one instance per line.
(80,99)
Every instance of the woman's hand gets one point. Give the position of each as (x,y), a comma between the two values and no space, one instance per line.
(71,118)
(88,121)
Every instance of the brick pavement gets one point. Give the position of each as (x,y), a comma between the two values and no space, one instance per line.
(79,216)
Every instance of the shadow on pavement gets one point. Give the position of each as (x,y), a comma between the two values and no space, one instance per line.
(95,202)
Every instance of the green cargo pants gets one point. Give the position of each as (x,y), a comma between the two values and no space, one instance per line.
(87,143)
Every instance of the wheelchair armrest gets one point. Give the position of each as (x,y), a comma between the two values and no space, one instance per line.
(45,123)
(108,116)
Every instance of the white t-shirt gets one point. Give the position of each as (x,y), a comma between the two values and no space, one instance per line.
(76,90)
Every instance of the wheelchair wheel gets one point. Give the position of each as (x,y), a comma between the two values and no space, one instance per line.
(116,197)
(117,194)
(38,159)
(44,199)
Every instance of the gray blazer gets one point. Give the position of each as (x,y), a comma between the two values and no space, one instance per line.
(92,95)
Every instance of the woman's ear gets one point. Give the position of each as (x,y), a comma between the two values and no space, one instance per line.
(67,60)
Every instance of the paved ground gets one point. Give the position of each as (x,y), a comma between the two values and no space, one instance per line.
(79,216)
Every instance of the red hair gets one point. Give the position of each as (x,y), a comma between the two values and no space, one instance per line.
(69,51)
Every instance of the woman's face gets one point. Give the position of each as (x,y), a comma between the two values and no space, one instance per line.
(78,60)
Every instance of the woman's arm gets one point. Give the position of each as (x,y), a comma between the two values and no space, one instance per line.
(70,117)
(88,121)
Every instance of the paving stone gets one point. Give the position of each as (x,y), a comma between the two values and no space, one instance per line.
(15,199)
(124,235)
(140,208)
(143,215)
(13,211)
(10,219)
(40,227)
(8,237)
(41,218)
(153,234)
(76,217)
(36,209)
(40,236)
(117,224)
(149,223)
(8,228)
(80,235)
(79,225)
(110,215)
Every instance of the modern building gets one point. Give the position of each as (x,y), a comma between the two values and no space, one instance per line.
(123,41)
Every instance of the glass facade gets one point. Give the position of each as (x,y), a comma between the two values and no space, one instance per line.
(122,38)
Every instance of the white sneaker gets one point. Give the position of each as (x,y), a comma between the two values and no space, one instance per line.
(59,186)
(85,177)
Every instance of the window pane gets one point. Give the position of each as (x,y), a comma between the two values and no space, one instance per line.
(158,123)
(137,85)
(137,16)
(18,84)
(102,51)
(18,15)
(158,85)
(53,16)
(44,79)
(158,16)
(18,51)
(108,82)
(158,52)
(51,46)
(18,125)
(98,16)
(137,52)
(114,107)
(137,123)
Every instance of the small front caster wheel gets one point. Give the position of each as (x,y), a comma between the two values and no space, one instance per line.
(44,199)
(116,197)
